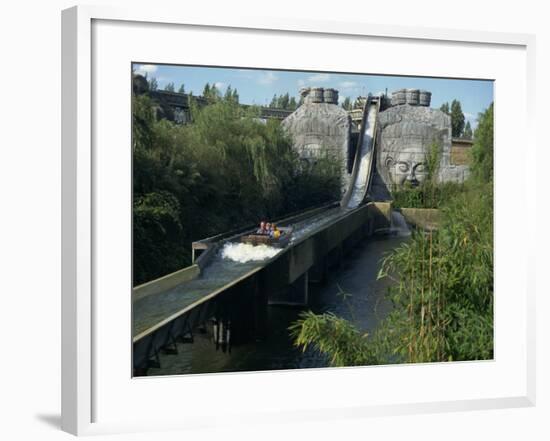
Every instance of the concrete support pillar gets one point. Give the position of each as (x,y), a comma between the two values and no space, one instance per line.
(260,301)
(306,288)
(370,228)
(300,290)
(339,255)
(318,272)
(296,294)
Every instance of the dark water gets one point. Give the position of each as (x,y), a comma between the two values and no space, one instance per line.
(364,304)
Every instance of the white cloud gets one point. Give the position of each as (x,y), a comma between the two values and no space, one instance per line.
(145,69)
(314,80)
(319,78)
(348,84)
(267,78)
(219,85)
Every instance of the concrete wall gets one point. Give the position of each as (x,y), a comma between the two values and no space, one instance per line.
(382,214)
(166,282)
(424,218)
(461,155)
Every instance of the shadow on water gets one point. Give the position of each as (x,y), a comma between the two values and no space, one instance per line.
(365,304)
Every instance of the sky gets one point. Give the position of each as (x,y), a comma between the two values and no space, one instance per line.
(257,86)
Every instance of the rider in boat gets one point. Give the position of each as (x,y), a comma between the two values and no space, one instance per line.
(261,230)
(274,232)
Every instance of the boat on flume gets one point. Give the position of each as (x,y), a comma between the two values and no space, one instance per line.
(269,239)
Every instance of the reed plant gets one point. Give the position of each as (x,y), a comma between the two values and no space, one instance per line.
(442,296)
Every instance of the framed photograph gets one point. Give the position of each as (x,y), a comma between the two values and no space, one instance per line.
(277,220)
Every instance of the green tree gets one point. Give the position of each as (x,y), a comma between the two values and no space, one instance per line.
(235,96)
(228,93)
(482,150)
(292,105)
(143,120)
(231,95)
(153,84)
(157,227)
(211,93)
(224,170)
(457,119)
(182,88)
(214,93)
(284,101)
(206,90)
(467,134)
(169,87)
(346,104)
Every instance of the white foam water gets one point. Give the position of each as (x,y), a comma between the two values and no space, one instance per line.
(399,225)
(245,252)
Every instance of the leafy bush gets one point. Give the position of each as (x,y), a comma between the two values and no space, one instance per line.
(427,195)
(333,336)
(443,295)
(157,229)
(482,150)
(225,170)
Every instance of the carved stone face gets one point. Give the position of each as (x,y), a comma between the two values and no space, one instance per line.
(407,166)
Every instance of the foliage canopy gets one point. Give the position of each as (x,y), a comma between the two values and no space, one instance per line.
(225,170)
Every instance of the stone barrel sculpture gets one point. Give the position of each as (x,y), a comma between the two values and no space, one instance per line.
(412,97)
(330,96)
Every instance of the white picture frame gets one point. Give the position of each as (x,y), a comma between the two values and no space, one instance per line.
(86,379)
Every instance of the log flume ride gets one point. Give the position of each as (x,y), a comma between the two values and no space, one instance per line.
(266,239)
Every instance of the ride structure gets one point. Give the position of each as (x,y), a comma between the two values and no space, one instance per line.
(235,296)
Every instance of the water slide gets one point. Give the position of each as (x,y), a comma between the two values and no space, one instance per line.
(363,164)
(157,313)
(220,269)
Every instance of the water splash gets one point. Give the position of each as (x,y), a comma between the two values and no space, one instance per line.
(399,225)
(245,252)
